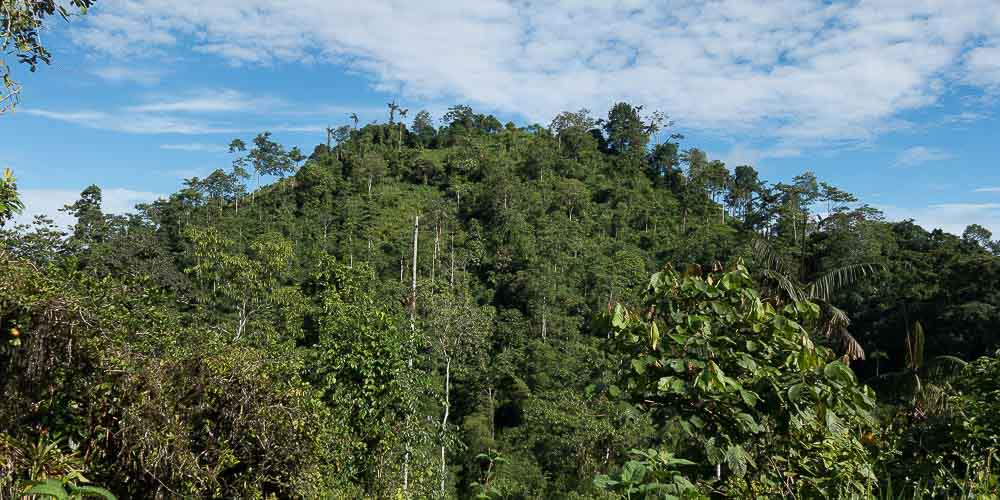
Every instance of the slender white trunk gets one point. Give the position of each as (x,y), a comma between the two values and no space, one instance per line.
(413,333)
(444,422)
(544,325)
(437,245)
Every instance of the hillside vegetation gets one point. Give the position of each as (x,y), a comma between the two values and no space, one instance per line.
(591,309)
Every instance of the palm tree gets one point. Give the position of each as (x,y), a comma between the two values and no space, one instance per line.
(922,382)
(834,321)
(393,107)
(402,116)
(354,118)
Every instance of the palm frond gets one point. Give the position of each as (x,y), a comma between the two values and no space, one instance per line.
(835,326)
(824,286)
(786,285)
(765,255)
(945,367)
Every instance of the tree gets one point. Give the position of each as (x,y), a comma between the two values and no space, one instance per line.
(572,130)
(250,285)
(90,227)
(393,108)
(423,127)
(746,185)
(295,156)
(833,322)
(20,23)
(402,125)
(625,130)
(458,331)
(737,386)
(979,235)
(10,202)
(269,157)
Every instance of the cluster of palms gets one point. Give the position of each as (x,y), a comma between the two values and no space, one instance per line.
(922,383)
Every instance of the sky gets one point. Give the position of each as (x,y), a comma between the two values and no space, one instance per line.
(893,100)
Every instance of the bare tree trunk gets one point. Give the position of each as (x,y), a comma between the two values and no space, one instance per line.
(452,278)
(413,288)
(444,422)
(413,333)
(437,245)
(545,302)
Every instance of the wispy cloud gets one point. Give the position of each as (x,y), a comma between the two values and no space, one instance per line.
(797,71)
(195,147)
(988,190)
(127,74)
(133,123)
(743,154)
(963,118)
(217,101)
(919,155)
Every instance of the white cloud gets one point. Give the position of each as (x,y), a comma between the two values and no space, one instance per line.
(126,74)
(195,147)
(919,155)
(983,65)
(963,118)
(988,190)
(49,201)
(214,101)
(951,217)
(743,154)
(796,70)
(133,123)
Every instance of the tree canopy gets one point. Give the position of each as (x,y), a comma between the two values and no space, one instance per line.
(480,310)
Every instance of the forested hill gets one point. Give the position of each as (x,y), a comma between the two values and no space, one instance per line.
(238,340)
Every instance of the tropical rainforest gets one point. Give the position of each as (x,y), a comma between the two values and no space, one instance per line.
(588,309)
(461,308)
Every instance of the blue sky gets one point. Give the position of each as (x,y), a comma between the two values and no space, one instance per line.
(893,100)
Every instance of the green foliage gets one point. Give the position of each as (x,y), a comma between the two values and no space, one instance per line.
(738,385)
(227,342)
(21,22)
(10,202)
(650,474)
(66,490)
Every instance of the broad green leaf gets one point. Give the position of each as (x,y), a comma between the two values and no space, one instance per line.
(654,335)
(618,319)
(48,488)
(795,392)
(639,366)
(838,372)
(92,491)
(747,421)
